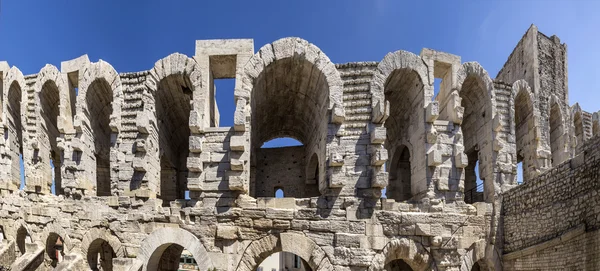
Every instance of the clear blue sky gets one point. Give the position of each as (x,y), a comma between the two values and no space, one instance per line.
(132,35)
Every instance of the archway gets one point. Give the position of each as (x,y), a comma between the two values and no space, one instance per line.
(172,100)
(98,101)
(578,124)
(163,248)
(50,101)
(411,253)
(15,130)
(526,131)
(476,95)
(100,255)
(399,186)
(400,92)
(292,243)
(557,131)
(404,92)
(23,238)
(291,96)
(55,249)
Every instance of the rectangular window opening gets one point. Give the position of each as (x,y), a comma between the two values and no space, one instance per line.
(223,102)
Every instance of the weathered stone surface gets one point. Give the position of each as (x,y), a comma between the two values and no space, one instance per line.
(130,147)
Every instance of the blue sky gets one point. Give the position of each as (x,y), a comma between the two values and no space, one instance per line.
(132,35)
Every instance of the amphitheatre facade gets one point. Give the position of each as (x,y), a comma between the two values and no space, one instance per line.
(124,150)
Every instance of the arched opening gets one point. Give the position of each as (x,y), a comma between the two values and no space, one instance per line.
(172,100)
(290,98)
(524,125)
(480,266)
(397,265)
(279,192)
(284,261)
(168,257)
(404,91)
(556,132)
(23,239)
(50,101)
(578,122)
(54,249)
(400,175)
(100,255)
(476,134)
(98,99)
(15,131)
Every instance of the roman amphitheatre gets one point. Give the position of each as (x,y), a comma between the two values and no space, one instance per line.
(386,177)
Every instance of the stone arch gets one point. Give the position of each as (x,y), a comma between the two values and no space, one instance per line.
(97,119)
(401,90)
(525,130)
(57,229)
(22,236)
(161,239)
(95,241)
(53,116)
(475,254)
(578,126)
(558,131)
(14,106)
(414,254)
(476,92)
(301,80)
(175,83)
(258,250)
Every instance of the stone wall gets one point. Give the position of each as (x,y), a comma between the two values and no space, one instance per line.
(553,204)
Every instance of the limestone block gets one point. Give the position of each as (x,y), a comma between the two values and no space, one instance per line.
(337,114)
(497,123)
(196,122)
(194,164)
(434,158)
(227,232)
(140,164)
(276,213)
(237,143)
(196,145)
(239,116)
(461,160)
(237,183)
(381,111)
(423,229)
(236,164)
(432,112)
(432,134)
(379,179)
(336,160)
(379,157)
(378,135)
(142,123)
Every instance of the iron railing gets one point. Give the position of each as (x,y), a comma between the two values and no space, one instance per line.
(474,194)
